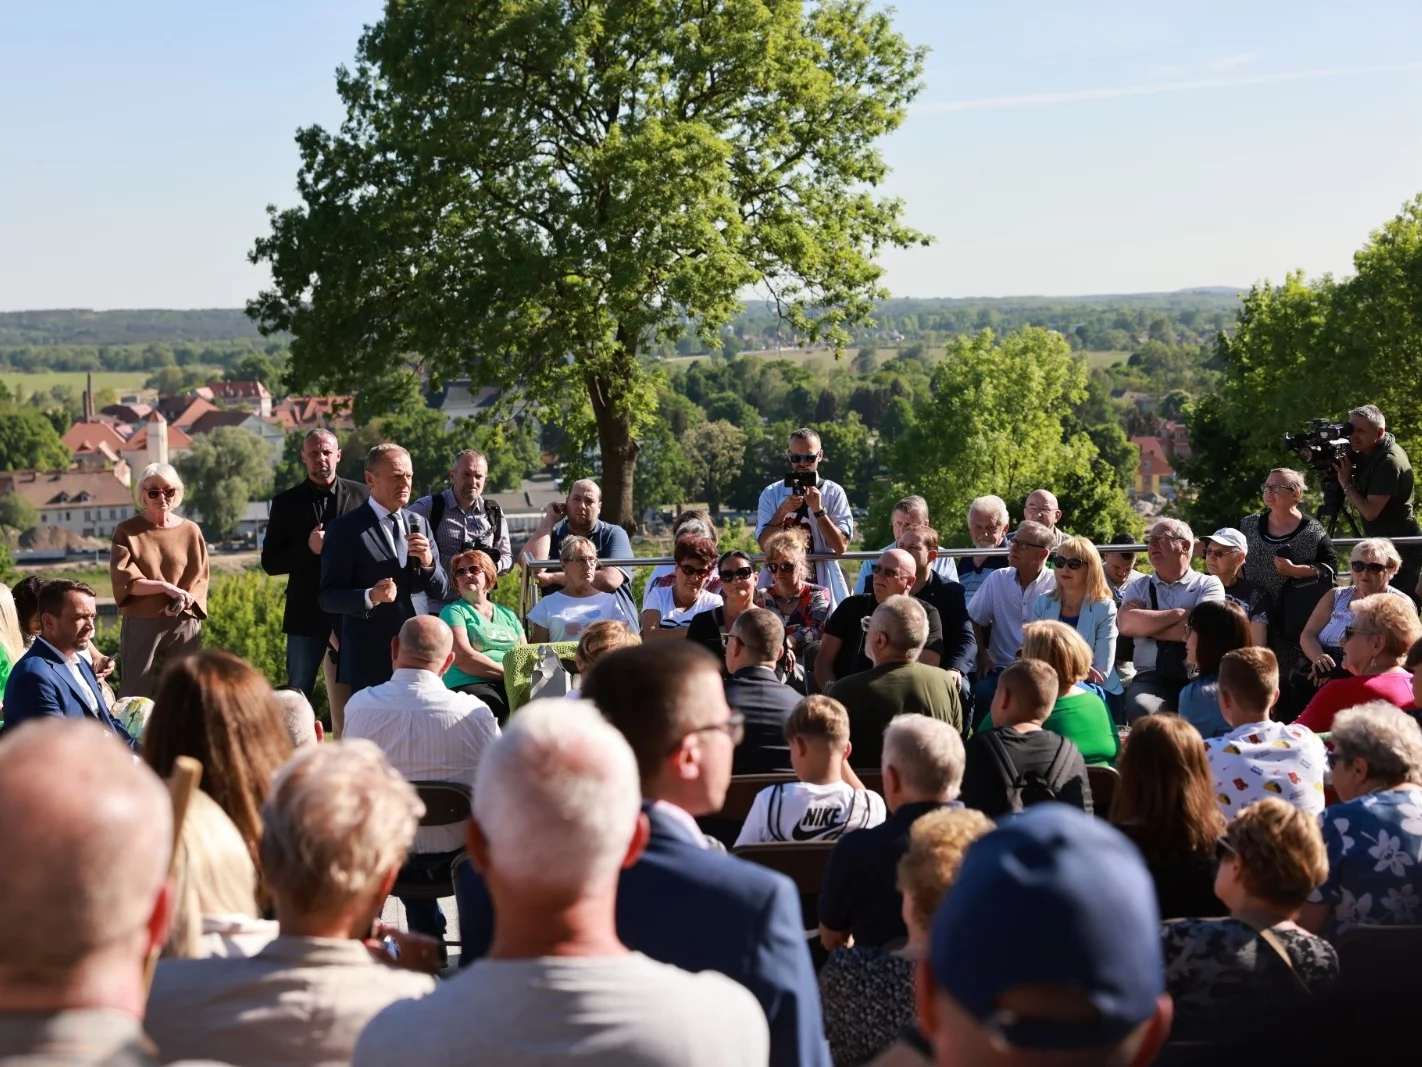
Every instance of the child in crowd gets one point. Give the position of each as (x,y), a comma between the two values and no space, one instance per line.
(1016,763)
(1260,758)
(821,806)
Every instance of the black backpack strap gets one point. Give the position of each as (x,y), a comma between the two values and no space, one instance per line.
(1150,586)
(1006,770)
(773,809)
(436,511)
(495,515)
(1060,771)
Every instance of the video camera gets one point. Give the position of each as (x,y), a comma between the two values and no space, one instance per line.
(1322,445)
(798,481)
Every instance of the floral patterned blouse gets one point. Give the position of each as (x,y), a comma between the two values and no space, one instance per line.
(805,621)
(1374,850)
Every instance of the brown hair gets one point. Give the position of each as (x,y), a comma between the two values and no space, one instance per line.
(1033,684)
(1165,799)
(55,592)
(602,637)
(1220,626)
(483,561)
(928,533)
(1060,647)
(1251,677)
(1395,618)
(818,716)
(762,632)
(217,709)
(936,846)
(1280,850)
(701,549)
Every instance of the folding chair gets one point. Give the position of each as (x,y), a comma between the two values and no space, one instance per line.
(446,804)
(1103,781)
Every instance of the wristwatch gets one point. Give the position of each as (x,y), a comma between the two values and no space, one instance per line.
(820,514)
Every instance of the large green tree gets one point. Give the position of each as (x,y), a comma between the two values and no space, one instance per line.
(716,450)
(29,441)
(535,192)
(222,473)
(996,421)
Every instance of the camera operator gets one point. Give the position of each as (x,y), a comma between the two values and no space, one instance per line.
(460,516)
(1377,480)
(806,500)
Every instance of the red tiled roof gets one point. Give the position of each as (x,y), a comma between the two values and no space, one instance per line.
(211,420)
(84,437)
(238,390)
(309,412)
(60,488)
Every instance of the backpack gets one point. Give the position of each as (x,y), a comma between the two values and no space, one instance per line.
(1034,787)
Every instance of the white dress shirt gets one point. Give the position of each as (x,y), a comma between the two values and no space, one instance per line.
(400,544)
(72,662)
(1004,605)
(428,733)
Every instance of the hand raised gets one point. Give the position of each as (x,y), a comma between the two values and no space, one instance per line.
(316,540)
(383,592)
(813,498)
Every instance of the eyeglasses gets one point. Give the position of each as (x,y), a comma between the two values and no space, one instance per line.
(800,459)
(787,567)
(734,728)
(694,572)
(1224,850)
(1164,540)
(865,623)
(1273,487)
(1071,563)
(460,572)
(1220,553)
(1359,566)
(1350,632)
(1016,541)
(585,561)
(1189,629)
(740,574)
(165,494)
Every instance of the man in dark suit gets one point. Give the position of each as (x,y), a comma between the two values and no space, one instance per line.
(52,679)
(753,648)
(296,535)
(373,560)
(683,903)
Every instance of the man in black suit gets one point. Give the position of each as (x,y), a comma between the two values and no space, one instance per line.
(296,535)
(374,559)
(753,648)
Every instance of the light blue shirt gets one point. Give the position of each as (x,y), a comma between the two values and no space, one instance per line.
(827,572)
(1200,707)
(1097,626)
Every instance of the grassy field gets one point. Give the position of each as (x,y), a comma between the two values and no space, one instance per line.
(1105,359)
(121,382)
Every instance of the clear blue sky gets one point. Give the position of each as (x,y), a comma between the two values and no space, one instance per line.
(1058,147)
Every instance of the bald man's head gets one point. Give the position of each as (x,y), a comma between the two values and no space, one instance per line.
(895,573)
(424,644)
(86,834)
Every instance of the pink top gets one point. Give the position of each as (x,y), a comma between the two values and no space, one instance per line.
(1395,687)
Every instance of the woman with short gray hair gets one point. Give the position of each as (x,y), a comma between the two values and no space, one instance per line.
(159,568)
(1374,833)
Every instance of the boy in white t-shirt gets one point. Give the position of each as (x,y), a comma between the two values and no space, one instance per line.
(1260,758)
(821,806)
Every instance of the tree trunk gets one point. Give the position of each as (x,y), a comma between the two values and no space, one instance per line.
(619,451)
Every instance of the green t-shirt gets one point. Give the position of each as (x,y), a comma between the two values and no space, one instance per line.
(1387,472)
(493,637)
(1082,718)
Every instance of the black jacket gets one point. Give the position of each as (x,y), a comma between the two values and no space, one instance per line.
(285,551)
(766,702)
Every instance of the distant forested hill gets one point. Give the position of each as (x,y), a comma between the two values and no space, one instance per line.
(142,327)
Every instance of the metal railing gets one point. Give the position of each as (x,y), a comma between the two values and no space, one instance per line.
(530,566)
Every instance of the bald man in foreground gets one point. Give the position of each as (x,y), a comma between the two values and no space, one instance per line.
(429,734)
(86,833)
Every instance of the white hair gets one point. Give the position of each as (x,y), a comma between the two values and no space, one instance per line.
(167,472)
(1370,414)
(1377,550)
(337,820)
(903,622)
(557,798)
(927,753)
(1387,738)
(298,714)
(992,506)
(1174,528)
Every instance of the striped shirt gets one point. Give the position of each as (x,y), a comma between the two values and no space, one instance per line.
(428,733)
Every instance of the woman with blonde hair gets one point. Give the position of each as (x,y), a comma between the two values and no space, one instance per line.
(12,638)
(1165,803)
(1375,643)
(565,614)
(159,568)
(1083,600)
(802,606)
(1259,959)
(1373,564)
(1079,715)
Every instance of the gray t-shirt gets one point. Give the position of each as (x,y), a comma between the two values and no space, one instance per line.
(617,1011)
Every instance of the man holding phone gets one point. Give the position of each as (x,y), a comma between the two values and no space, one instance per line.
(805,500)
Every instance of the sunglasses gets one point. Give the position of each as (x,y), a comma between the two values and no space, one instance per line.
(1359,566)
(1071,563)
(1335,758)
(165,494)
(1224,850)
(781,568)
(740,574)
(1350,632)
(799,459)
(460,572)
(885,572)
(693,572)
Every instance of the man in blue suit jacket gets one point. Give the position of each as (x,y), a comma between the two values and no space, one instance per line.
(373,561)
(52,679)
(683,903)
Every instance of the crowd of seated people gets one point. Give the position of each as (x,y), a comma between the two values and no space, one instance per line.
(923,736)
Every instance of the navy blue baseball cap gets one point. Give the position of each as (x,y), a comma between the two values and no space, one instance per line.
(1052,897)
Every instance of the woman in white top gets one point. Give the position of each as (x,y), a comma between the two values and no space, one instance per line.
(1374,562)
(667,610)
(563,616)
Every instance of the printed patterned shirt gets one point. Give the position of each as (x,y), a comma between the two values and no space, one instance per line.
(1267,759)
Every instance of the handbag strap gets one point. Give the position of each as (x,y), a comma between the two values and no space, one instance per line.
(1273,941)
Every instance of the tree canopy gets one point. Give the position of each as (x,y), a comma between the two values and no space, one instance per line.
(223,472)
(534,193)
